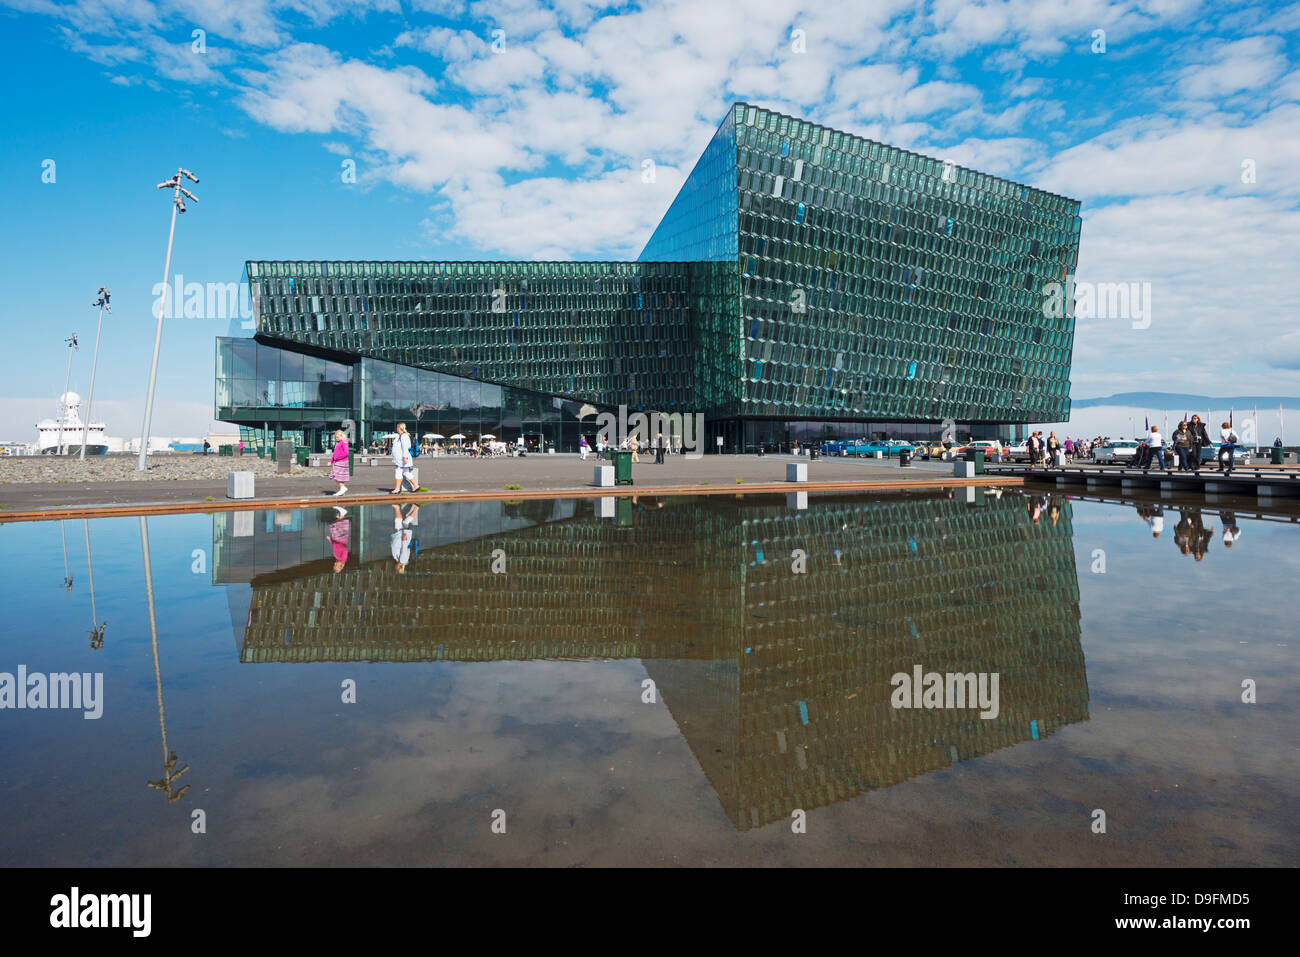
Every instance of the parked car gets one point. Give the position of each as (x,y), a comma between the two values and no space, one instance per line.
(1116,451)
(1018,452)
(1210,455)
(888,447)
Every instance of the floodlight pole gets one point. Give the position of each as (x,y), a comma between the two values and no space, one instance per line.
(178,205)
(102,302)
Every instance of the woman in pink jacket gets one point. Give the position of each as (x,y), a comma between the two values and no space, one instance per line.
(339,462)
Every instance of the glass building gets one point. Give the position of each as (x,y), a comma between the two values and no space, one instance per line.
(804,284)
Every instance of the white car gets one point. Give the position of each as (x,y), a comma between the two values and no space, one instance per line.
(1018,452)
(1120,450)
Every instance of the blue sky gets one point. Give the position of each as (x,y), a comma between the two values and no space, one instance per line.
(470,143)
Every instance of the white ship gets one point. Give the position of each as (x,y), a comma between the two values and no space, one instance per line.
(65,431)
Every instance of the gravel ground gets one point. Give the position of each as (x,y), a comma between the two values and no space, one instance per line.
(30,469)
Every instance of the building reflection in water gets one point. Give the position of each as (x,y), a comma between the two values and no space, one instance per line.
(776,669)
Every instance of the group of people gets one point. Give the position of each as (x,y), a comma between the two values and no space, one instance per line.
(660,446)
(481,448)
(403,451)
(1187,442)
(1050,452)
(400,451)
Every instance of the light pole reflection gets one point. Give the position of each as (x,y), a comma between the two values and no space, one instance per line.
(170,774)
(96,627)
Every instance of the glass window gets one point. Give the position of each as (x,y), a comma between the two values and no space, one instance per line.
(290,365)
(245,358)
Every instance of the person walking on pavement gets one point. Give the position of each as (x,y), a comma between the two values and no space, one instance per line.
(1156,450)
(1228,446)
(339,462)
(659,449)
(1182,440)
(403,463)
(582,447)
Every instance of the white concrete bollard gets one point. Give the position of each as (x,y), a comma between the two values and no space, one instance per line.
(243,524)
(603,477)
(796,471)
(796,500)
(239,485)
(963,469)
(879,455)
(605,506)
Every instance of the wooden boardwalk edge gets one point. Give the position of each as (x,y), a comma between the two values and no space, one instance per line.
(420,498)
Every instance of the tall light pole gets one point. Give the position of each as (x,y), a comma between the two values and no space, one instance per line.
(102,303)
(67,381)
(178,206)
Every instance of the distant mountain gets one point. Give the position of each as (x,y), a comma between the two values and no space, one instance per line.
(1168,400)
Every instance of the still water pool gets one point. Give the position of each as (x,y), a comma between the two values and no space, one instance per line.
(711,680)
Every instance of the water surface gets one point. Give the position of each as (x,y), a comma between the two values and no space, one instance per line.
(657,681)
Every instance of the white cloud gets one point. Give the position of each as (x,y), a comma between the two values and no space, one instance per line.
(1223,284)
(1248,64)
(535,151)
(551,218)
(1163,155)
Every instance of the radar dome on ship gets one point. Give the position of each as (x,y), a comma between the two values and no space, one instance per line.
(70,399)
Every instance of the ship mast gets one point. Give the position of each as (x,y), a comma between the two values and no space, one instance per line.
(63,416)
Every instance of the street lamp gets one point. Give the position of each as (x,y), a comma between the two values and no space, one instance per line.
(63,413)
(178,206)
(102,303)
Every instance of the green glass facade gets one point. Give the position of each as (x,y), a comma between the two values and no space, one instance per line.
(803,283)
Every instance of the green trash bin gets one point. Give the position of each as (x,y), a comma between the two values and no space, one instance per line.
(623,512)
(976,456)
(622,466)
(300,453)
(1276,457)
